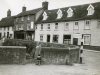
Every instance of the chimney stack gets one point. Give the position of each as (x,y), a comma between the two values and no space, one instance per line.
(45,5)
(23,9)
(9,13)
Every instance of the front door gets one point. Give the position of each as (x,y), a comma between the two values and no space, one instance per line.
(75,41)
(48,38)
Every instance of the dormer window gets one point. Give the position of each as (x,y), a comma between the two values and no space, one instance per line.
(59,14)
(90,10)
(45,16)
(69,12)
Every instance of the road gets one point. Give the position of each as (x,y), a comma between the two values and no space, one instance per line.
(91,66)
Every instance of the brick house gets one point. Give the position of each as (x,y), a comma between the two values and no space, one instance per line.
(70,25)
(6,26)
(24,23)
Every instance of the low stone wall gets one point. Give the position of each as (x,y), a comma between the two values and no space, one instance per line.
(12,55)
(59,55)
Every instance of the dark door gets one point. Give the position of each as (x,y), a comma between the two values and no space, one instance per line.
(75,41)
(7,34)
(0,35)
(48,38)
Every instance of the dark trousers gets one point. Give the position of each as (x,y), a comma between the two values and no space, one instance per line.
(80,60)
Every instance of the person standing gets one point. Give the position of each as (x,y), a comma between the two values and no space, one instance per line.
(81,51)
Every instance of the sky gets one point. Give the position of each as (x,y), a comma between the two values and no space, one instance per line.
(16,5)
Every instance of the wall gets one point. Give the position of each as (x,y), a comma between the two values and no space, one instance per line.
(52,55)
(93,31)
(12,55)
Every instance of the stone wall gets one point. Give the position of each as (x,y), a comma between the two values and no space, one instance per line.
(51,55)
(12,55)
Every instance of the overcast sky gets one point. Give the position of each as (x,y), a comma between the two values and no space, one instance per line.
(16,5)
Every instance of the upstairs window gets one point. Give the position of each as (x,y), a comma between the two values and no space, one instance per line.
(56,26)
(20,27)
(22,18)
(4,28)
(28,26)
(87,24)
(28,18)
(48,27)
(76,25)
(35,26)
(41,26)
(90,10)
(59,14)
(45,16)
(8,28)
(66,27)
(69,12)
(32,25)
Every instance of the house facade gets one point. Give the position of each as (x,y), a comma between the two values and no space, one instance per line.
(24,23)
(6,26)
(70,25)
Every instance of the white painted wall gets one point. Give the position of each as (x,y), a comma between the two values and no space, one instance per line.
(6,30)
(95,39)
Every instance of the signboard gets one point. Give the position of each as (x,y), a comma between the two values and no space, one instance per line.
(77,36)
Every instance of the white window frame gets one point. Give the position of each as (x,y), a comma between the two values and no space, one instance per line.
(76,25)
(66,27)
(90,10)
(45,16)
(48,26)
(41,37)
(28,17)
(56,26)
(28,26)
(87,24)
(87,42)
(41,26)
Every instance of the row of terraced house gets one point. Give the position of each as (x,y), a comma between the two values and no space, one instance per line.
(68,25)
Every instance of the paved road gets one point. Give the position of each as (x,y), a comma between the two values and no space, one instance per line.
(91,66)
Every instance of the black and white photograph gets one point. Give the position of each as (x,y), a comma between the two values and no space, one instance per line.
(49,37)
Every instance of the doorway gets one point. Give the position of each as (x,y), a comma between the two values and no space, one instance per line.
(75,41)
(48,38)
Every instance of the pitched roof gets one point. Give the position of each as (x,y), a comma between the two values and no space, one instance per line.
(80,13)
(30,12)
(7,21)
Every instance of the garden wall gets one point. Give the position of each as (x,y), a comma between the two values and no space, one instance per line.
(12,55)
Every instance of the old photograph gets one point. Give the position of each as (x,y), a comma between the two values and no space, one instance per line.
(50,37)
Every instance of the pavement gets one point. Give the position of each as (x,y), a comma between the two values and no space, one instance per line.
(90,66)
